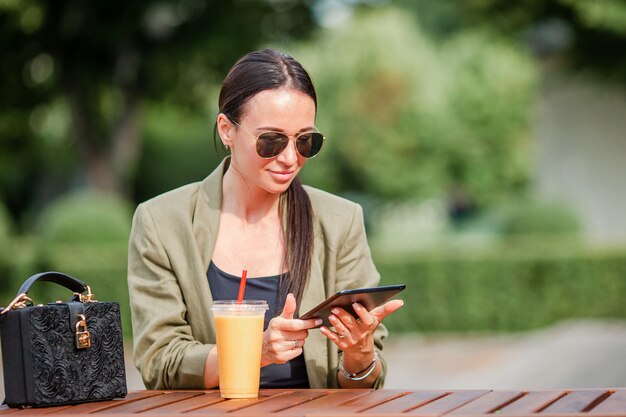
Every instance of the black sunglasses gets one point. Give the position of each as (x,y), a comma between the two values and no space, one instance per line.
(271,144)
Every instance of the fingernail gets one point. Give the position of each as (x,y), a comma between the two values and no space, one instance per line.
(356,306)
(335,311)
(318,322)
(331,317)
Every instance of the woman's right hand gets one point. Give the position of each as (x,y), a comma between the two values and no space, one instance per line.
(285,336)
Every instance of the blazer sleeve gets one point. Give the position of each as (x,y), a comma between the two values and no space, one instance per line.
(165,351)
(356,269)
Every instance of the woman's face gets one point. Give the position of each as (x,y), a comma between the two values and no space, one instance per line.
(284,110)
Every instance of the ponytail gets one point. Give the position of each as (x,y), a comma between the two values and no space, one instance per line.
(298,232)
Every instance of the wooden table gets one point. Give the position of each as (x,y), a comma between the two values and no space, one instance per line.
(334,402)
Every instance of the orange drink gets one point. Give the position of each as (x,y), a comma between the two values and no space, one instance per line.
(239,331)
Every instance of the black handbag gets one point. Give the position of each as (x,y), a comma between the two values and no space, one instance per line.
(64,352)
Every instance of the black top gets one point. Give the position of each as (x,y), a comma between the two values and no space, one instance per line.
(225,286)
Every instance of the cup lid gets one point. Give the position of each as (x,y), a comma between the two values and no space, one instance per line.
(245,305)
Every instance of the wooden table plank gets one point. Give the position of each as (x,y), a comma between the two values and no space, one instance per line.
(368,400)
(223,406)
(405,402)
(575,402)
(97,406)
(150,403)
(269,402)
(42,410)
(448,403)
(614,404)
(80,408)
(205,399)
(354,403)
(328,402)
(530,402)
(487,404)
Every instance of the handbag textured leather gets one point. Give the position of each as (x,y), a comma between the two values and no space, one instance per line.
(63,352)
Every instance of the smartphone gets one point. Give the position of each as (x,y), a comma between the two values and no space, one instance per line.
(368,297)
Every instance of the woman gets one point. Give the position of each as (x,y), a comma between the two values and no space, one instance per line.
(299,246)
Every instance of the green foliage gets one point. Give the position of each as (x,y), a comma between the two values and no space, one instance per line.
(101,265)
(407,118)
(462,291)
(17,257)
(581,27)
(6,226)
(84,235)
(507,291)
(92,66)
(503,291)
(539,219)
(491,93)
(84,218)
(375,102)
(607,14)
(6,233)
(178,150)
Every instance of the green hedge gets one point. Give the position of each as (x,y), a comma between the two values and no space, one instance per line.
(509,291)
(102,266)
(505,292)
(84,235)
(6,225)
(84,218)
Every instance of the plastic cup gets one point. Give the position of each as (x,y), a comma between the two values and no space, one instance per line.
(239,330)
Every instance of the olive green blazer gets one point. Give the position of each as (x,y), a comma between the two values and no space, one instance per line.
(171,244)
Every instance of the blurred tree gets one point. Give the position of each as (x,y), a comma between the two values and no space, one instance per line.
(74,75)
(172,156)
(590,34)
(6,227)
(409,118)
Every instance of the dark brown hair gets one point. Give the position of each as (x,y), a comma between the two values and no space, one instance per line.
(258,71)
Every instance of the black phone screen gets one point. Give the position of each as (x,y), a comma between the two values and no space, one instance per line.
(369,298)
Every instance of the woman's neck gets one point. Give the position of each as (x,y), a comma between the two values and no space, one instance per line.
(245,200)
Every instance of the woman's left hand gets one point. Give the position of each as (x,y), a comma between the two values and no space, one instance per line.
(353,336)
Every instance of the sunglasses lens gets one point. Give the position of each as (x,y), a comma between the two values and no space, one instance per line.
(271,144)
(309,144)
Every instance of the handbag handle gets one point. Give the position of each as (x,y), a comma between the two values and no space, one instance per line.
(71,283)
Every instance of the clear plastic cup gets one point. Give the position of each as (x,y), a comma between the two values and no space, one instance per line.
(239,330)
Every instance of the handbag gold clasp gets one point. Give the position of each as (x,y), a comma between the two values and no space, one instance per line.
(83,338)
(86,298)
(19,302)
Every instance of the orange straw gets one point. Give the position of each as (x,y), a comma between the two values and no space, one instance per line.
(242,286)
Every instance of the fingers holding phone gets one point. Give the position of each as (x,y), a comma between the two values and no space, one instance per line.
(384,310)
(352,333)
(285,336)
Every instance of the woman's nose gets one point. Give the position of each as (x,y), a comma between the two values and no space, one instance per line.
(289,155)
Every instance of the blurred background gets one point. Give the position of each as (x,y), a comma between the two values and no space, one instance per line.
(484,139)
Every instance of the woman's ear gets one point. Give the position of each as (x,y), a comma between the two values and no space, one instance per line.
(225,129)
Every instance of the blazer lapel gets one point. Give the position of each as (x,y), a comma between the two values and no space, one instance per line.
(316,346)
(205,225)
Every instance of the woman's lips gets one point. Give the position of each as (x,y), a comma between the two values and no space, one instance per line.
(281,175)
